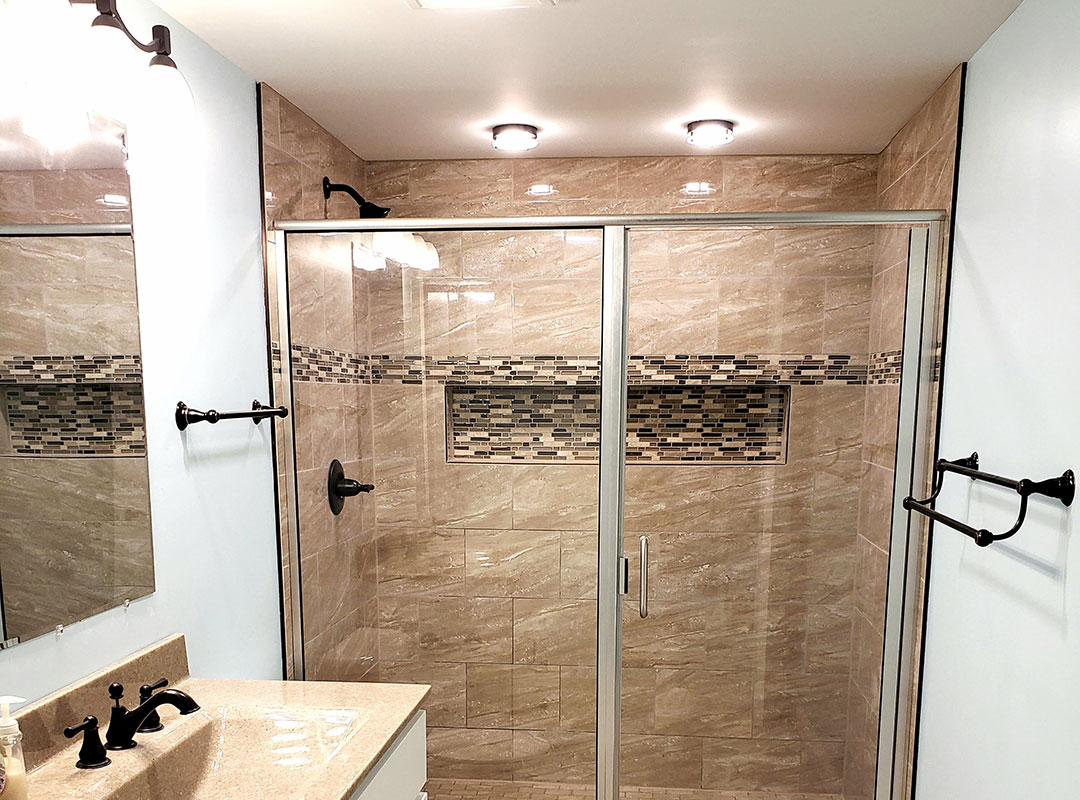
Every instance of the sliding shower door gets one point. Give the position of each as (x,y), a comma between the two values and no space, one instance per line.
(457,372)
(763,370)
(627,492)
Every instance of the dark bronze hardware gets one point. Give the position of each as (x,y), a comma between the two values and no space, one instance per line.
(366,210)
(188,416)
(338,487)
(152,723)
(124,724)
(92,754)
(1062,488)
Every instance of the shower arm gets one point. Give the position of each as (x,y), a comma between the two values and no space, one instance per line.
(368,210)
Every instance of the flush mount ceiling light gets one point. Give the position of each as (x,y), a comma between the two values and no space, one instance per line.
(439,4)
(710,132)
(515,138)
(541,190)
(166,77)
(697,189)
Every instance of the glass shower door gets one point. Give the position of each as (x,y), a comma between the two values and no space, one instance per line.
(457,371)
(775,383)
(761,420)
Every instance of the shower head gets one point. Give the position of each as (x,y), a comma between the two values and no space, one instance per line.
(367,210)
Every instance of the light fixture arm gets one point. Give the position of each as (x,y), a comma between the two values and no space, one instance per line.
(160,45)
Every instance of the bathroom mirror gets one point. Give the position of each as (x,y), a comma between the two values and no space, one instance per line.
(75,534)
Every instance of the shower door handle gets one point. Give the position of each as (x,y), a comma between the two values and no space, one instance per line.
(643,587)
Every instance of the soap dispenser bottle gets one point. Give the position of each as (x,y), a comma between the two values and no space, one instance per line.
(12,766)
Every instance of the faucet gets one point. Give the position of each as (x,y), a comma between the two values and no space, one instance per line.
(124,724)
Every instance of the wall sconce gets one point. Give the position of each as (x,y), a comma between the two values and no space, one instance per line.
(165,75)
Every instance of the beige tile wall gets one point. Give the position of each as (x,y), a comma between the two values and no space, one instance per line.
(59,196)
(917,170)
(338,553)
(738,679)
(741,678)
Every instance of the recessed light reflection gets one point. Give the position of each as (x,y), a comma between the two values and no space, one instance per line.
(476,297)
(698,189)
(113,202)
(541,190)
(370,252)
(289,737)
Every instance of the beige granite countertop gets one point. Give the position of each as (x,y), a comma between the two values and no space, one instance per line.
(251,739)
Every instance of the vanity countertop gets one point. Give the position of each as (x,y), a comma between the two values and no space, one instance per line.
(251,739)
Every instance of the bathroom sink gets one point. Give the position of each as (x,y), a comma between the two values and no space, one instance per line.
(249,739)
(236,749)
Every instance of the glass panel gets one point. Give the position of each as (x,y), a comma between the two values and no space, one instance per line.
(75,535)
(763,377)
(465,390)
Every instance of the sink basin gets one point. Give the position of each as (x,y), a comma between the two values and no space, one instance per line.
(234,748)
(250,739)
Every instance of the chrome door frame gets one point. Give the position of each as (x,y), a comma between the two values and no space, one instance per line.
(903,578)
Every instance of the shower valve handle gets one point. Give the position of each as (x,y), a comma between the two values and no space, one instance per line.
(338,487)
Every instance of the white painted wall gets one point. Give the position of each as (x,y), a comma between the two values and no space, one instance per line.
(199,261)
(1001,703)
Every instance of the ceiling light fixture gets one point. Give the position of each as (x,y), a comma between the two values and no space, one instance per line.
(541,190)
(697,189)
(515,138)
(166,77)
(710,132)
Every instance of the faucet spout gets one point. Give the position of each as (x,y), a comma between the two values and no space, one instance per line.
(123,723)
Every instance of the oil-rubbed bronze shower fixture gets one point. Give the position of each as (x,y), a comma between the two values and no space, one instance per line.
(338,487)
(365,208)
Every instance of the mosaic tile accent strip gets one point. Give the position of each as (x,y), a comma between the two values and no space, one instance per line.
(75,419)
(550,370)
(320,365)
(712,369)
(729,424)
(885,367)
(71,369)
(275,358)
(332,366)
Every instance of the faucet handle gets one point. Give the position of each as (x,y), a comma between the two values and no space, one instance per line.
(148,689)
(92,753)
(152,723)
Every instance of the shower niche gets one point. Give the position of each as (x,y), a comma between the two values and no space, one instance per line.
(679,424)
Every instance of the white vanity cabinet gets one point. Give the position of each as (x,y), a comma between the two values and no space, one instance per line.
(401,772)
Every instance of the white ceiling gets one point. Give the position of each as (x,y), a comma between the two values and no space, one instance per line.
(600,77)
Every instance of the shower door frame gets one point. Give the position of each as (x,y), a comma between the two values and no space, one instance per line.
(915,439)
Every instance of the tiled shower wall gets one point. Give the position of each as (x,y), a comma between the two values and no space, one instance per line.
(917,170)
(338,553)
(482,574)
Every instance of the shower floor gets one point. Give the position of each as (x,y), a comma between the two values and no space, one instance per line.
(459,789)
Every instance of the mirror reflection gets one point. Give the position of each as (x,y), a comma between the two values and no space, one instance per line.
(75,534)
